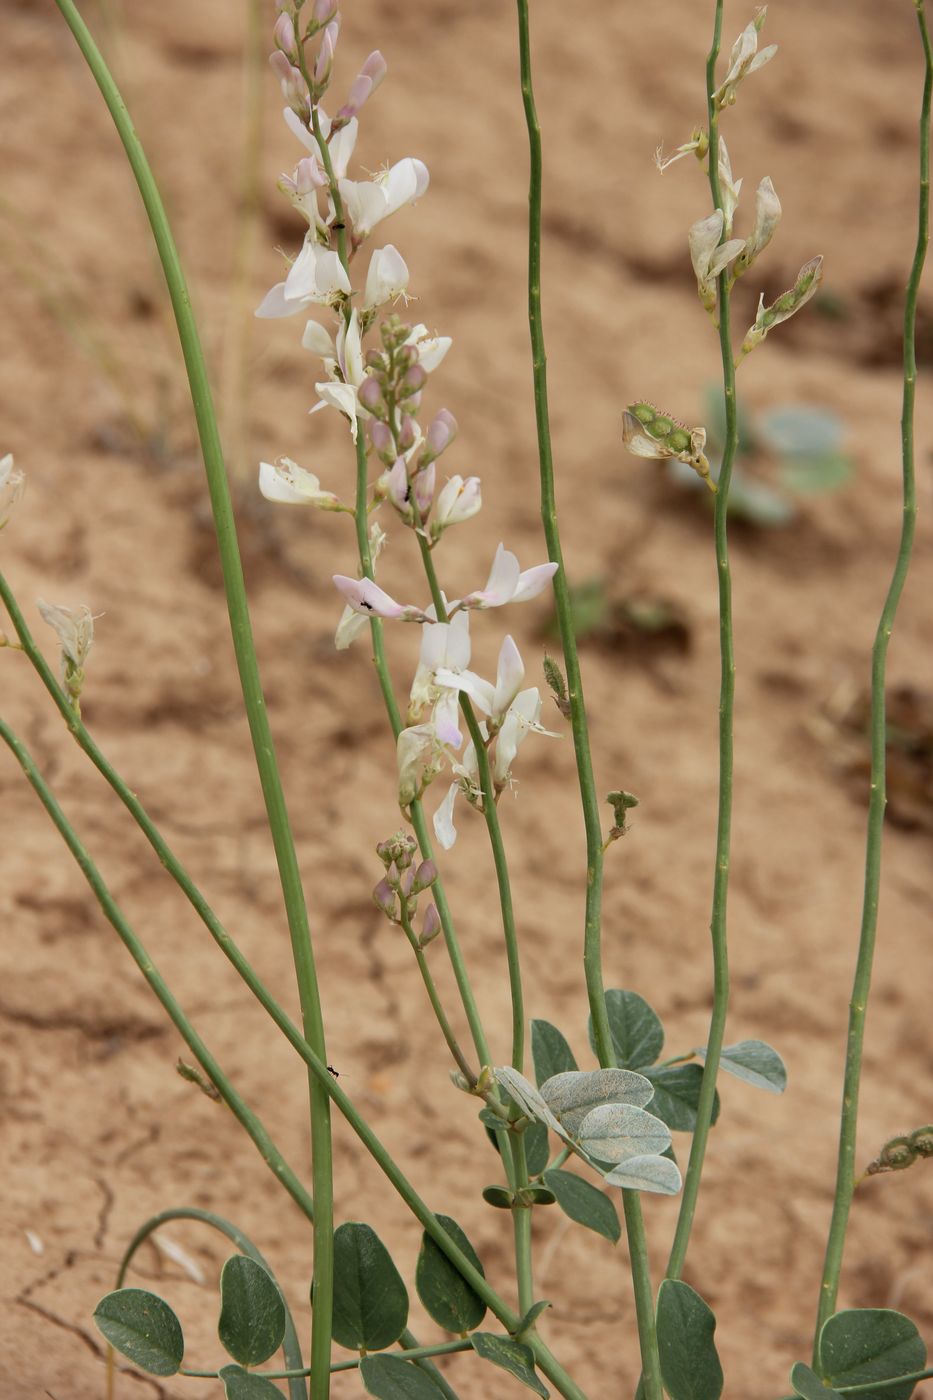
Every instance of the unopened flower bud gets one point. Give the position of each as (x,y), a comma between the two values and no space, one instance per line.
(12,485)
(406,432)
(325,59)
(431,927)
(425,875)
(423,485)
(384,899)
(374,359)
(392,872)
(323,11)
(380,435)
(414,381)
(371,394)
(283,33)
(440,433)
(294,87)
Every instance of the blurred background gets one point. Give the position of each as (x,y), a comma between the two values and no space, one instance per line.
(99,1130)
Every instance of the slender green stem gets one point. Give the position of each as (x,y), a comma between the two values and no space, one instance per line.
(595,851)
(290,1344)
(403,1354)
(845,1170)
(436,1004)
(718,929)
(880,1385)
(253,698)
(521,1228)
(253,1125)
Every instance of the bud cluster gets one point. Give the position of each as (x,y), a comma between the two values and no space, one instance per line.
(901,1152)
(397,892)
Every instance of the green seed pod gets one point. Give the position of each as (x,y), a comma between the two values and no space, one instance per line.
(660,427)
(644,412)
(679,440)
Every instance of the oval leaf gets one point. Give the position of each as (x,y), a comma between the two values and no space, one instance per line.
(755,1062)
(646,1174)
(572,1096)
(526,1097)
(584,1203)
(536,1150)
(498,1196)
(252,1313)
(240,1385)
(615,1131)
(390,1378)
(676,1095)
(143,1327)
(861,1345)
(799,430)
(637,1033)
(549,1051)
(447,1297)
(370,1299)
(512,1356)
(807,1384)
(690,1366)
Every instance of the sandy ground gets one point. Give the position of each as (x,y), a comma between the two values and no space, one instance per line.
(99,1132)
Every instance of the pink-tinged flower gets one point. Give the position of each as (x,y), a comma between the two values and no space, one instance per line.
(294,87)
(467,782)
(367,597)
(302,187)
(444,646)
(340,143)
(423,483)
(492,700)
(368,202)
(346,372)
(521,720)
(440,434)
(363,86)
(507,583)
(386,279)
(457,501)
(325,57)
(420,758)
(290,484)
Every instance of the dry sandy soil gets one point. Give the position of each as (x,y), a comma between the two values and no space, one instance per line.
(99,1131)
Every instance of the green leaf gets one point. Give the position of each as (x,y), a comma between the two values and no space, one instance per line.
(755,1062)
(807,1384)
(447,1297)
(573,1095)
(526,1097)
(390,1378)
(809,476)
(614,1131)
(584,1203)
(512,1356)
(536,1148)
(537,1195)
(757,503)
(143,1327)
(240,1385)
(861,1345)
(637,1033)
(498,1196)
(531,1316)
(654,1173)
(801,431)
(370,1299)
(676,1095)
(690,1366)
(252,1313)
(550,1052)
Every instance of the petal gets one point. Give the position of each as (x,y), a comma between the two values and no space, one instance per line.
(342,397)
(274,305)
(342,146)
(533,581)
(317,340)
(290,484)
(470,683)
(349,627)
(446,715)
(510,673)
(367,597)
(444,828)
(503,578)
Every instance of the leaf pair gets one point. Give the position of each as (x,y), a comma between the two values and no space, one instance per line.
(859,1346)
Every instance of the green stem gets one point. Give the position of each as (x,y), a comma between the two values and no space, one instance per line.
(521,1228)
(253,1125)
(403,1354)
(718,929)
(436,1005)
(290,1344)
(845,1170)
(595,852)
(254,700)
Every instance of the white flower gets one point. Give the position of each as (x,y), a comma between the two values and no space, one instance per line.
(75,630)
(368,598)
(341,144)
(456,502)
(709,256)
(352,623)
(292,485)
(368,202)
(12,485)
(443,645)
(318,340)
(316,276)
(521,720)
(767,216)
(492,700)
(420,758)
(730,188)
(386,279)
(743,60)
(508,584)
(346,372)
(431,348)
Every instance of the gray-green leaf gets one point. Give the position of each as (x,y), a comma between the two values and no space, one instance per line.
(810,476)
(389,1377)
(370,1299)
(676,1094)
(512,1356)
(536,1148)
(252,1313)
(614,1131)
(637,1033)
(526,1097)
(143,1327)
(573,1095)
(584,1203)
(807,1384)
(690,1367)
(240,1385)
(755,1062)
(549,1051)
(659,1174)
(446,1295)
(799,430)
(860,1345)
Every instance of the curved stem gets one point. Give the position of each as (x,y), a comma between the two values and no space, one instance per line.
(845,1169)
(595,851)
(436,1004)
(253,1125)
(718,929)
(291,1347)
(253,698)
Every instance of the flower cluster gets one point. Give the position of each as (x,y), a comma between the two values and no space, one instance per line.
(375,372)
